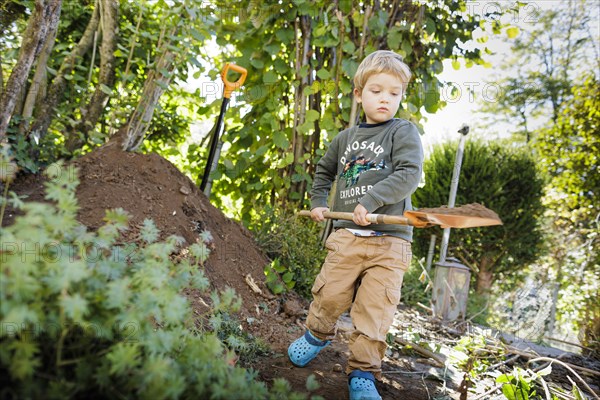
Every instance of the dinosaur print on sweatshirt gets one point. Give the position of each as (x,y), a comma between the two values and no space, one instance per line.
(356,166)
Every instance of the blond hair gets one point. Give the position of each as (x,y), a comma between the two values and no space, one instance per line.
(382,61)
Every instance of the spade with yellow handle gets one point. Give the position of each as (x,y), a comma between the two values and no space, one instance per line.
(213,155)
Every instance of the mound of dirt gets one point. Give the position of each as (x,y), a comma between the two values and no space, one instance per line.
(148,186)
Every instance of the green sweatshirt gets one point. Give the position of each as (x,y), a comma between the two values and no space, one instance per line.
(378,166)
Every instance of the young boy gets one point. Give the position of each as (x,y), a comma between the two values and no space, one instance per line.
(379,165)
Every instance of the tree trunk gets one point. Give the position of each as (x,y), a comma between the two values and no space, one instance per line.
(1,77)
(93,110)
(37,85)
(46,113)
(361,49)
(44,18)
(155,85)
(485,277)
(303,35)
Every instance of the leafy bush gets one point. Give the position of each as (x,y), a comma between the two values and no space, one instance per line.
(502,179)
(84,314)
(294,245)
(414,284)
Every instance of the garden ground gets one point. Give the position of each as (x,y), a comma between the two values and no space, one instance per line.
(148,186)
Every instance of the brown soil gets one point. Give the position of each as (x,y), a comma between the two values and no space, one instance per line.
(148,186)
(471,210)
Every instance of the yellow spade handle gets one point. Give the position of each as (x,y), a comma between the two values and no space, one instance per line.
(373,218)
(231,86)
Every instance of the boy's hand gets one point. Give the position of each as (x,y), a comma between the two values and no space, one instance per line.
(317,213)
(360,215)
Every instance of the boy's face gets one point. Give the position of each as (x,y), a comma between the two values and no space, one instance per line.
(380,97)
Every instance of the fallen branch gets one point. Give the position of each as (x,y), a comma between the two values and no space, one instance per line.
(507,361)
(529,355)
(489,392)
(566,342)
(568,366)
(423,351)
(572,366)
(425,307)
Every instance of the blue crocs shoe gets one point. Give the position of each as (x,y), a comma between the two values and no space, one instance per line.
(362,386)
(305,348)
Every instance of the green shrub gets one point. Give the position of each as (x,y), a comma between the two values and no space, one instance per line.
(414,285)
(83,314)
(294,245)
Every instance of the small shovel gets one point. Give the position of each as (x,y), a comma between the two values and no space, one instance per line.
(441,217)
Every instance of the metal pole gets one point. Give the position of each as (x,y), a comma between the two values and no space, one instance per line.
(464,130)
(430,253)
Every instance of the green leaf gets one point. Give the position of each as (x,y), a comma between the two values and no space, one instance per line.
(545,371)
(257,63)
(118,293)
(394,38)
(200,252)
(73,271)
(23,364)
(19,316)
(430,27)
(407,48)
(75,306)
(512,32)
(196,34)
(323,73)
(105,89)
(149,232)
(312,383)
(200,281)
(576,392)
(175,310)
(165,72)
(288,277)
(312,115)
(508,390)
(280,140)
(349,47)
(270,77)
(123,357)
(456,64)
(117,217)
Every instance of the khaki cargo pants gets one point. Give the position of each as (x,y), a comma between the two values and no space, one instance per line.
(377,265)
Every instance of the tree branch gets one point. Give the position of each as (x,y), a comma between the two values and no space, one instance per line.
(44,18)
(57,87)
(91,113)
(38,81)
(156,83)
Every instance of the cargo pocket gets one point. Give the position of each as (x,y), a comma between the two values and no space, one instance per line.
(392,295)
(333,244)
(318,285)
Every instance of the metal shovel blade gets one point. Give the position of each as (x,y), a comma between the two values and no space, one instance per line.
(449,220)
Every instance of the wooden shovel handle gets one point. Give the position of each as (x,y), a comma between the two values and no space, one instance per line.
(373,218)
